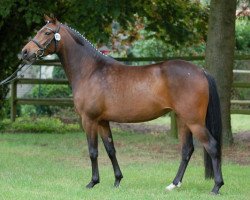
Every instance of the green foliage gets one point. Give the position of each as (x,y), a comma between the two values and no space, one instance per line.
(52,91)
(243,35)
(37,125)
(5,110)
(47,91)
(153,47)
(176,22)
(28,110)
(58,73)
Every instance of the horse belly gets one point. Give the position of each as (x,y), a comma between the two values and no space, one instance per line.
(136,111)
(142,97)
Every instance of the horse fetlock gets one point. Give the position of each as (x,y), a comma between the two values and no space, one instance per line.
(117,183)
(216,188)
(215,191)
(92,183)
(96,180)
(219,183)
(118,176)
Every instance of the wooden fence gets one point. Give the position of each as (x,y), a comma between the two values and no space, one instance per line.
(68,101)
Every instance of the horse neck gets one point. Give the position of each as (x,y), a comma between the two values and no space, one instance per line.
(79,61)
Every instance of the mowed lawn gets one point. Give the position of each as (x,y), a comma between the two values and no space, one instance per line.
(57,166)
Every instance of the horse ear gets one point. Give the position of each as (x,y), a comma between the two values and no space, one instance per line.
(53,18)
(46,18)
(50,18)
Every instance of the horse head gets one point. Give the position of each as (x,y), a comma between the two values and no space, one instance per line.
(45,42)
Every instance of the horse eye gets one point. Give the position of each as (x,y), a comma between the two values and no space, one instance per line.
(47,33)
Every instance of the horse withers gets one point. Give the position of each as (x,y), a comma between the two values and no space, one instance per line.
(106,90)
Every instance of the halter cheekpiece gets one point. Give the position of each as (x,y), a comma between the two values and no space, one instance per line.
(56,39)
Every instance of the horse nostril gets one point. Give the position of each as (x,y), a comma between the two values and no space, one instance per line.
(24,53)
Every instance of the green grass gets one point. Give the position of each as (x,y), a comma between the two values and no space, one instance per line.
(56,166)
(165,120)
(240,123)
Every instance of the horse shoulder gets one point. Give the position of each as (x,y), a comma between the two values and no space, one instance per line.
(88,97)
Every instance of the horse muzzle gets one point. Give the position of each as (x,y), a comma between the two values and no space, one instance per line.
(28,56)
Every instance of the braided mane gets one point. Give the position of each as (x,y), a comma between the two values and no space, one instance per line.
(80,39)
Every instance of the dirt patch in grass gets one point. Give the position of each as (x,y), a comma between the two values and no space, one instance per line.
(239,152)
(242,137)
(144,127)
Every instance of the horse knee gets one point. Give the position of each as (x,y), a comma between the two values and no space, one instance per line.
(93,154)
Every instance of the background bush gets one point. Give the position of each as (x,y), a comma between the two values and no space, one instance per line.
(48,91)
(38,125)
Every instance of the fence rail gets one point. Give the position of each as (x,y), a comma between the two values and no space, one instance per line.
(69,101)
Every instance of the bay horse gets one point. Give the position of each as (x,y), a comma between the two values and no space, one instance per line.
(106,90)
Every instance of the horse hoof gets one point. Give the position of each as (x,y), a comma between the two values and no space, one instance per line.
(91,184)
(173,186)
(117,183)
(214,193)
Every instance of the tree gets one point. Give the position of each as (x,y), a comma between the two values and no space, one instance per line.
(220,55)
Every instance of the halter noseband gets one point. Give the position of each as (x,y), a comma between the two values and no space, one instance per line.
(56,38)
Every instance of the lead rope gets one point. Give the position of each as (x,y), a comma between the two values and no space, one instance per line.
(13,76)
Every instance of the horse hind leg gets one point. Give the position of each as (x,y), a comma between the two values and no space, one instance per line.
(212,148)
(187,151)
(214,153)
(106,135)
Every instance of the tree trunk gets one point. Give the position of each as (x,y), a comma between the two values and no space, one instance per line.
(220,56)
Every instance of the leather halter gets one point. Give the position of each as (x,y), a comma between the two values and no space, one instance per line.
(42,48)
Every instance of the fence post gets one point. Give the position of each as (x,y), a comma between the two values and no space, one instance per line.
(13,100)
(173,129)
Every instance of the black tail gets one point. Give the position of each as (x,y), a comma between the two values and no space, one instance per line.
(213,124)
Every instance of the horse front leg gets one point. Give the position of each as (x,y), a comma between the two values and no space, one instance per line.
(108,142)
(91,129)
